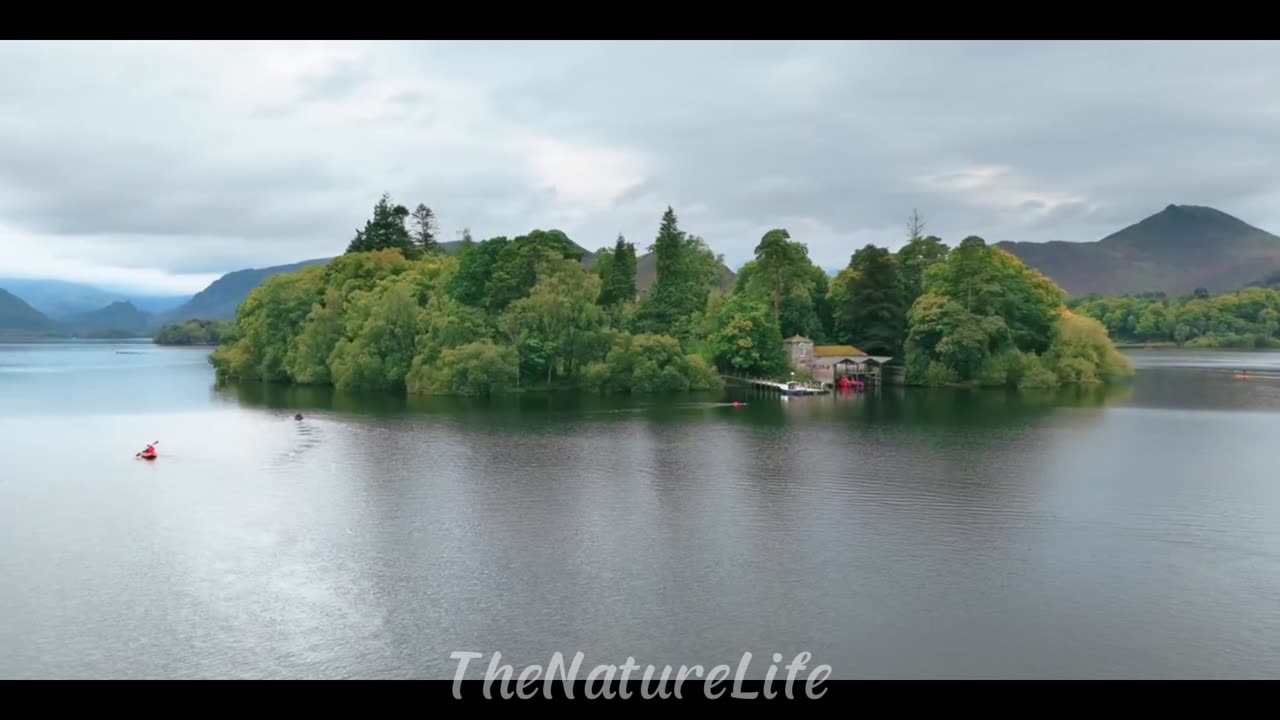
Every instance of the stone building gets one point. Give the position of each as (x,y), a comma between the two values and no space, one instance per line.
(826,363)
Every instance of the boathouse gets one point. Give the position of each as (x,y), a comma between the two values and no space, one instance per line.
(828,363)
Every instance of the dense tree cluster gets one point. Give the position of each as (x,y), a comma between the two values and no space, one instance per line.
(505,314)
(498,315)
(388,229)
(192,332)
(1248,318)
(985,318)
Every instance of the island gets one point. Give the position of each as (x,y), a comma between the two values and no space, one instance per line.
(192,332)
(534,312)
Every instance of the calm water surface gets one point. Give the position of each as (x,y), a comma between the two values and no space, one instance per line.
(1132,532)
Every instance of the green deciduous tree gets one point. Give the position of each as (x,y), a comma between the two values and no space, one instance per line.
(747,340)
(917,256)
(556,315)
(193,332)
(649,364)
(380,337)
(476,262)
(480,368)
(266,324)
(514,269)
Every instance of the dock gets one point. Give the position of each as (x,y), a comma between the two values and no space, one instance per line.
(786,388)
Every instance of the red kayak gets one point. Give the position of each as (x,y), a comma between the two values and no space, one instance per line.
(151,456)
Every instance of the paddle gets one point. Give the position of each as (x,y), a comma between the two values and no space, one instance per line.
(139,453)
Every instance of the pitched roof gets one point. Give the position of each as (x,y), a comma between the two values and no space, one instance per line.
(796,339)
(832,350)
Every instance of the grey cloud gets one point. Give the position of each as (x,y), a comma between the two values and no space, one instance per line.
(334,82)
(1016,141)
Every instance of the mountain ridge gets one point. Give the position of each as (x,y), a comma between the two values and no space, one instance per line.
(1175,251)
(220,299)
(120,316)
(61,298)
(17,317)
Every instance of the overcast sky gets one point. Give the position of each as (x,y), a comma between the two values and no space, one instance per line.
(160,166)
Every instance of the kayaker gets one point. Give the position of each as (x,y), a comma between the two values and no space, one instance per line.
(149,452)
(298,416)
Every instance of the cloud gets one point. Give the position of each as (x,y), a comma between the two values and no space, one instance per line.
(165,163)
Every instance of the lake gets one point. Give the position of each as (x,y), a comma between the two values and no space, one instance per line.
(1129,532)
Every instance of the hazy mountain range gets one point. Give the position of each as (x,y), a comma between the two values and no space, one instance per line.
(60,298)
(220,299)
(16,316)
(1177,250)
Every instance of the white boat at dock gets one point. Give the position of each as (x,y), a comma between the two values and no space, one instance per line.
(786,388)
(795,388)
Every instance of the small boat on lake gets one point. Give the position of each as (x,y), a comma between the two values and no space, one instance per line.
(795,388)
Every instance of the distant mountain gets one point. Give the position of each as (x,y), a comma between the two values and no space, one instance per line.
(17,317)
(220,300)
(119,316)
(1175,251)
(1272,280)
(647,273)
(59,298)
(155,304)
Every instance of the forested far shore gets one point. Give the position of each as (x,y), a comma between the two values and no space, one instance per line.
(1247,318)
(509,314)
(192,332)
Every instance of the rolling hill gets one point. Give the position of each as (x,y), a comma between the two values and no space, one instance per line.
(17,317)
(647,272)
(220,300)
(1175,251)
(119,316)
(58,298)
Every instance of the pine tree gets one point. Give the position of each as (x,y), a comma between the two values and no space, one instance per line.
(385,230)
(619,274)
(667,247)
(782,260)
(426,231)
(686,271)
(872,316)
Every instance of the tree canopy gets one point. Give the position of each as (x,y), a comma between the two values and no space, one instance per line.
(782,276)
(871,314)
(986,318)
(617,271)
(507,314)
(385,230)
(687,270)
(1247,318)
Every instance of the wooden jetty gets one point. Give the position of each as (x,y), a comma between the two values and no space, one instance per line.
(786,388)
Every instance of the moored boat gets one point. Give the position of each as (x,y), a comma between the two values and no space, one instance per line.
(795,388)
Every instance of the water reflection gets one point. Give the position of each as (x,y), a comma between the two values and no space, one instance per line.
(1085,532)
(909,406)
